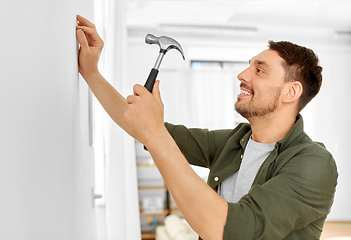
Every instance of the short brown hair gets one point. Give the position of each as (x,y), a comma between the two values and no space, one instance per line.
(301,64)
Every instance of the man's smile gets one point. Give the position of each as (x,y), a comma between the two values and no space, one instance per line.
(244,92)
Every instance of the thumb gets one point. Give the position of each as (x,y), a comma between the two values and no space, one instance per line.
(82,40)
(156,91)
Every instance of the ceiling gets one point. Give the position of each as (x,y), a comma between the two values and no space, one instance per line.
(311,18)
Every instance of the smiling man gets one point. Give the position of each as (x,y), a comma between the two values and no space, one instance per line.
(268,179)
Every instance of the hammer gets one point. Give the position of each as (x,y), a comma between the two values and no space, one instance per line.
(165,43)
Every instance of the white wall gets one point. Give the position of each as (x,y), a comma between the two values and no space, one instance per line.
(326,118)
(45,156)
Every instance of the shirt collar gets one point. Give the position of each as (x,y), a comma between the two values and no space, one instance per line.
(294,132)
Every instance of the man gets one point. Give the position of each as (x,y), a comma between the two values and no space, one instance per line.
(268,179)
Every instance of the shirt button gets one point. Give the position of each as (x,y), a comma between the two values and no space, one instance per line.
(216,179)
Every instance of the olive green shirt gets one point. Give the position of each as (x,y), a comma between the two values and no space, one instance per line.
(292,192)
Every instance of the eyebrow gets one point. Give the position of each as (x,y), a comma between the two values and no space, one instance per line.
(259,62)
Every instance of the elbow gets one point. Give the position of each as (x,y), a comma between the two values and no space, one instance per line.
(213,234)
(214,228)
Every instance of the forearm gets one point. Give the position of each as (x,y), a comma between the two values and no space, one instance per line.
(206,215)
(111,100)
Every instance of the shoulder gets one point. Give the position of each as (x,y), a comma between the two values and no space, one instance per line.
(304,145)
(306,156)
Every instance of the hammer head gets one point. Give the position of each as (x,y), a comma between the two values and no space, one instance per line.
(165,43)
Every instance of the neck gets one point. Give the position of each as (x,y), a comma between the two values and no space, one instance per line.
(272,127)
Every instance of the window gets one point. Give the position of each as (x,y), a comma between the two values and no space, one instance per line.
(233,68)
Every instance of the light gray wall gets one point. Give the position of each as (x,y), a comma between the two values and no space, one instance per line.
(46,161)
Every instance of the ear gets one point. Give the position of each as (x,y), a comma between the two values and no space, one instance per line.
(293,91)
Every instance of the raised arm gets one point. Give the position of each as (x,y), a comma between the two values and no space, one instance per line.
(201,206)
(91,46)
(141,116)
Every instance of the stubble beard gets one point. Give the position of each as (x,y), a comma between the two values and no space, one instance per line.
(254,109)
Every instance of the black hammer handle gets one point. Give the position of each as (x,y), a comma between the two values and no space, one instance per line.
(151,79)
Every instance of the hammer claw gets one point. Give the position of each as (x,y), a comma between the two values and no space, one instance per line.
(166,44)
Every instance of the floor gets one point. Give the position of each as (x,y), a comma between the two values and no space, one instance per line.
(336,231)
(331,230)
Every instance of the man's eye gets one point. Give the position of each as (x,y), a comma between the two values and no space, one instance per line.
(259,70)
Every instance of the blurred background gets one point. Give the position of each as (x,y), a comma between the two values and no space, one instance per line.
(67,172)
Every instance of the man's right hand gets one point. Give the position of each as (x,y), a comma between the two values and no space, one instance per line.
(90,47)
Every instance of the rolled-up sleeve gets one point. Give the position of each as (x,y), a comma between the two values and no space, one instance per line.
(198,145)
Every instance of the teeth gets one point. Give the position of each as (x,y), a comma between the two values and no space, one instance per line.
(243,92)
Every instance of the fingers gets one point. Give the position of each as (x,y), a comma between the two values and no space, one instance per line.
(92,36)
(139,90)
(86,29)
(82,40)
(84,22)
(131,99)
(156,91)
(141,93)
(90,31)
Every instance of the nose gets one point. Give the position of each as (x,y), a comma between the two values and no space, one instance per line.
(244,76)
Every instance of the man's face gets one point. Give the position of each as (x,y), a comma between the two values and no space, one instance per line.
(261,85)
